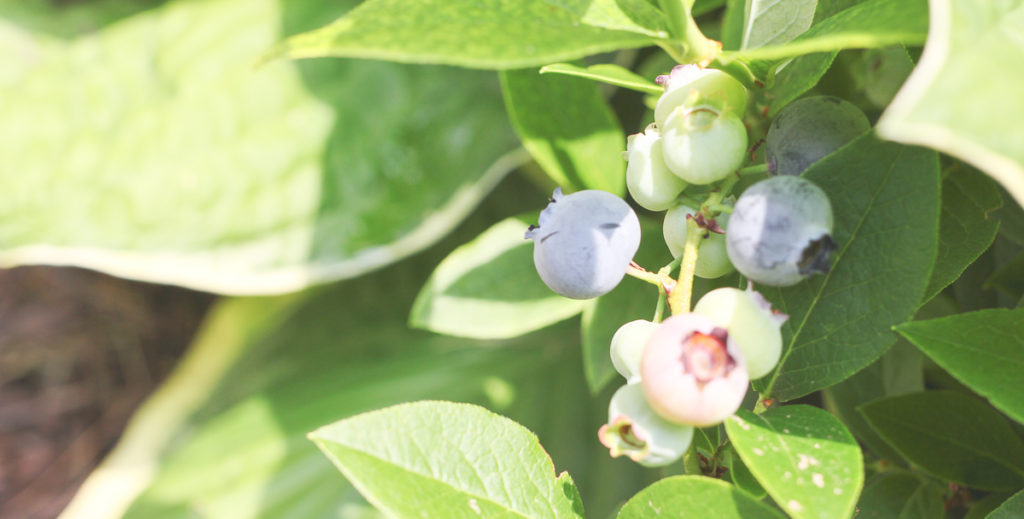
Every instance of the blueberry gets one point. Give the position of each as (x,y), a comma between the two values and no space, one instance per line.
(751,323)
(807,130)
(780,231)
(584,242)
(648,178)
(702,145)
(635,430)
(692,372)
(628,347)
(689,84)
(712,259)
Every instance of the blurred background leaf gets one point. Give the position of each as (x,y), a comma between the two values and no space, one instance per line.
(148,145)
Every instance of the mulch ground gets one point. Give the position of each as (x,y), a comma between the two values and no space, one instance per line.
(79,351)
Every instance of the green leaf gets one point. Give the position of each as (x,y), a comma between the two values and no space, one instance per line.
(497,34)
(966,227)
(1009,277)
(885,201)
(952,436)
(489,289)
(803,456)
(694,497)
(775,23)
(569,128)
(606,73)
(876,23)
(899,371)
(1010,509)
(900,495)
(798,76)
(981,508)
(153,149)
(447,460)
(741,476)
(983,349)
(973,47)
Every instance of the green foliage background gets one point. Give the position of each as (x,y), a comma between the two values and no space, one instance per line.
(363,210)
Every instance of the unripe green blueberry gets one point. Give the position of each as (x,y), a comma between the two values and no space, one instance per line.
(628,347)
(780,231)
(692,372)
(635,430)
(705,86)
(649,181)
(749,319)
(712,259)
(702,145)
(583,242)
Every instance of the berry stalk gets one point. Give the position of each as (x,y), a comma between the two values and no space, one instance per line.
(679,299)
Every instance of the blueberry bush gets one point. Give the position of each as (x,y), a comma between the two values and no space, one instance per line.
(544,258)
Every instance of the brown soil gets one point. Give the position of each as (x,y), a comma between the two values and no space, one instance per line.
(79,351)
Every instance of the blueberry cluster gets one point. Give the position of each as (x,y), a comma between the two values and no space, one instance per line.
(693,369)
(690,370)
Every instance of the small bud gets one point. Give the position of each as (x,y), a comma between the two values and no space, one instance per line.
(635,430)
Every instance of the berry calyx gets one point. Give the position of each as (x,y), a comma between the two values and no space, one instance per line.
(635,430)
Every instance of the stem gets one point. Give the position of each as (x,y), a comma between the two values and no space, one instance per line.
(756,169)
(659,311)
(687,43)
(638,272)
(676,14)
(691,461)
(679,299)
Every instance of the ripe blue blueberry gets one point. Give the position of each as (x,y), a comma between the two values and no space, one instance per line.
(780,231)
(807,130)
(584,242)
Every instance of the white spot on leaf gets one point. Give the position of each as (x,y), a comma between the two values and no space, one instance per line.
(818,479)
(794,505)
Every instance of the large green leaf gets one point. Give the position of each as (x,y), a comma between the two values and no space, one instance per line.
(568,127)
(899,371)
(900,495)
(606,73)
(885,201)
(497,34)
(1011,508)
(443,459)
(695,497)
(966,227)
(770,22)
(974,46)
(1009,277)
(153,149)
(876,23)
(983,349)
(803,456)
(489,289)
(229,441)
(953,436)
